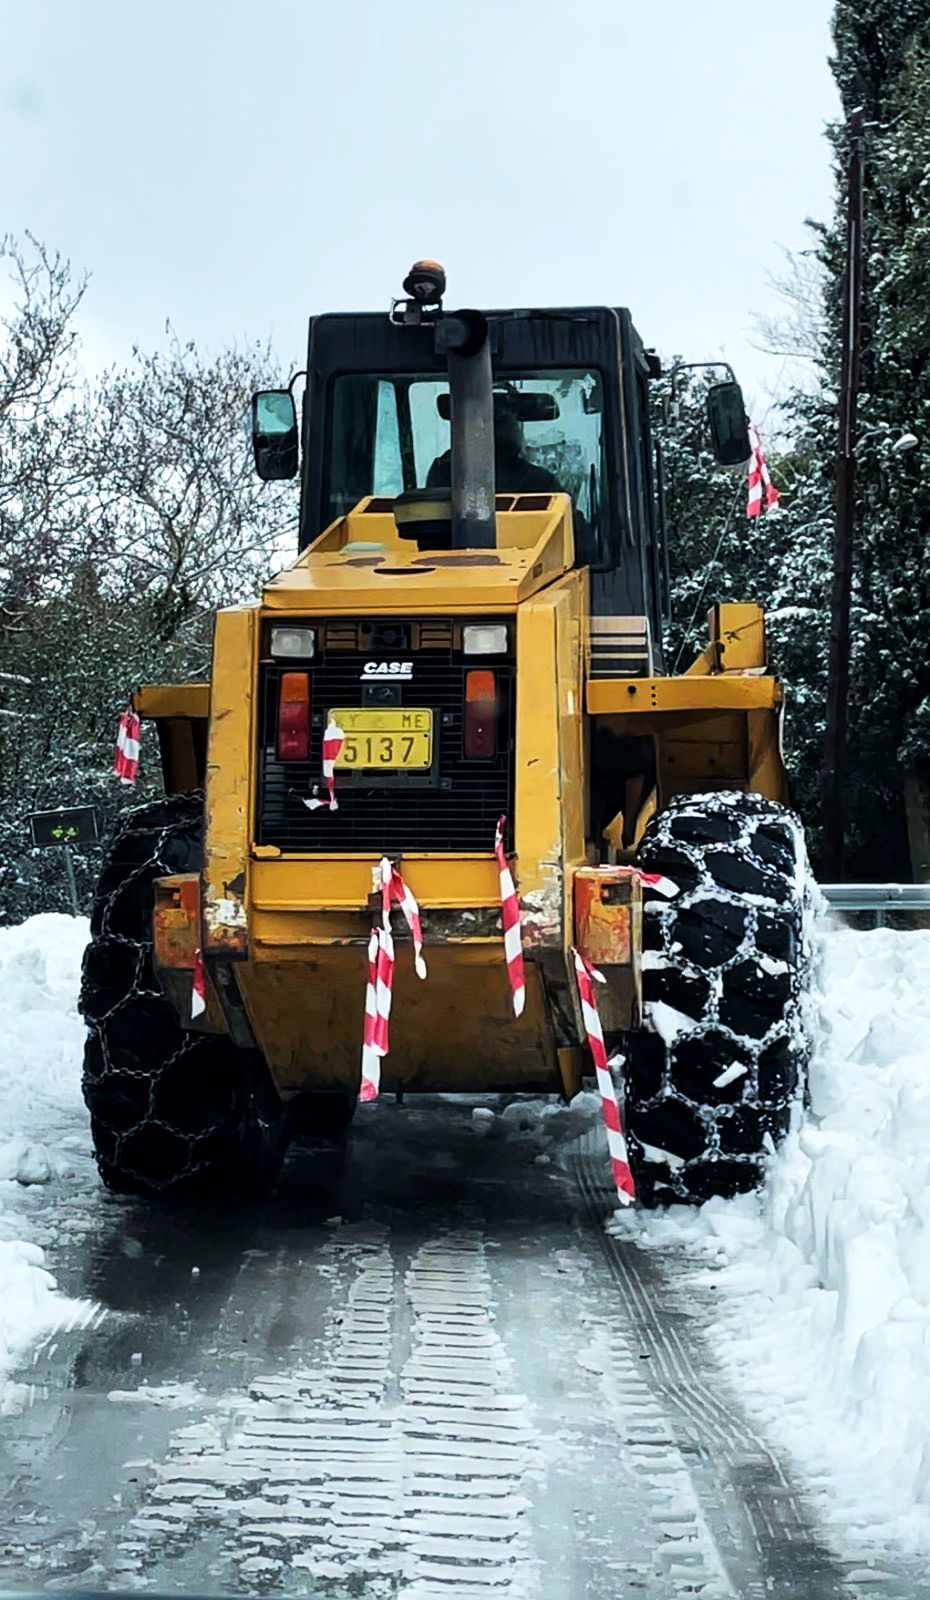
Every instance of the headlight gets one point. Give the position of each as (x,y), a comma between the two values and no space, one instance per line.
(485,640)
(293,642)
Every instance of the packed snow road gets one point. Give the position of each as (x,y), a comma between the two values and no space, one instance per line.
(428,1372)
(460,1387)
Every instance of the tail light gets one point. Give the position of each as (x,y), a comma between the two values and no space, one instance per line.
(294,717)
(480,716)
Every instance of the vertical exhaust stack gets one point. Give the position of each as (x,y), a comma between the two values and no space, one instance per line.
(463,338)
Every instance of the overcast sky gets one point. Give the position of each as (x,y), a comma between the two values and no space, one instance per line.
(235,167)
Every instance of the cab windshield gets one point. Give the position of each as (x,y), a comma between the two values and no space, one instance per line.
(391,434)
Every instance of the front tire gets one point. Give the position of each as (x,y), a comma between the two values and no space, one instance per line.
(173,1112)
(712,1077)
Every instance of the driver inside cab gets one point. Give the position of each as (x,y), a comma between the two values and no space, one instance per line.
(514,473)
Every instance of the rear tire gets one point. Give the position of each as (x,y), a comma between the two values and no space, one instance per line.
(712,1077)
(319,1117)
(173,1112)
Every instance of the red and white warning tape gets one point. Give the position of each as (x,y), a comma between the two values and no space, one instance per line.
(402,897)
(655,880)
(380,990)
(333,741)
(370,1085)
(126,761)
(510,917)
(378,995)
(759,478)
(198,988)
(587,976)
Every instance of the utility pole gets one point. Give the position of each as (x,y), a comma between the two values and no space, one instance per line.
(834,830)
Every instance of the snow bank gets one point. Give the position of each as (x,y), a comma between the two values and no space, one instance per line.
(41,1041)
(822,1284)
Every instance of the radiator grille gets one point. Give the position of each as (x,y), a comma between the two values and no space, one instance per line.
(453,807)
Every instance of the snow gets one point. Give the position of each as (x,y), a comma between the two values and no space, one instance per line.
(652,1152)
(546,1123)
(173,1396)
(814,1295)
(736,1069)
(668,1022)
(820,1302)
(40,1109)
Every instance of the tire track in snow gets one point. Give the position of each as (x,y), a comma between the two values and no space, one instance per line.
(334,1473)
(306,1472)
(758,1518)
(466,1441)
(685,1556)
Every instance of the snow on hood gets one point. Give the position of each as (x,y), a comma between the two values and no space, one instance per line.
(822,1283)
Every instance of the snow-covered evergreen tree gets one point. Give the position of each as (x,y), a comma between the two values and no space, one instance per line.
(779,560)
(705,511)
(882,64)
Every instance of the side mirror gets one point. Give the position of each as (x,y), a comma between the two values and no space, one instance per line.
(274,434)
(726,413)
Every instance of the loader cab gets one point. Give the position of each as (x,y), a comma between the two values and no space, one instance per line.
(571,413)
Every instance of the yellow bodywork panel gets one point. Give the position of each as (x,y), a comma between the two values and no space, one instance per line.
(345,883)
(176,938)
(738,632)
(361,564)
(157,701)
(767,773)
(180,712)
(718,727)
(710,730)
(710,752)
(454,1029)
(298,926)
(309,917)
(550,792)
(228,831)
(639,699)
(608,933)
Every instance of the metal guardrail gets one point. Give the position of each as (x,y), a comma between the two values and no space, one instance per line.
(878,897)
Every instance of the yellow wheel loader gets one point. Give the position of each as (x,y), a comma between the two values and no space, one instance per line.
(477,610)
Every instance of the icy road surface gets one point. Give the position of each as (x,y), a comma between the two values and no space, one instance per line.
(429,1373)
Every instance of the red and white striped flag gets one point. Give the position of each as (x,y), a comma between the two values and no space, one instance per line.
(379,992)
(380,989)
(510,917)
(402,897)
(370,1086)
(587,976)
(759,478)
(378,996)
(198,988)
(126,761)
(333,741)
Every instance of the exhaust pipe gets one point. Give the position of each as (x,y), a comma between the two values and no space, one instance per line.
(463,339)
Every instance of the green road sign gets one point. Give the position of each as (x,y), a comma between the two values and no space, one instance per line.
(74,825)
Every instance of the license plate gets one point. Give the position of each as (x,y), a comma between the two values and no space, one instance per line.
(386,739)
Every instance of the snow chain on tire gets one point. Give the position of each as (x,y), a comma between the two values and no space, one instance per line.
(171,1110)
(712,1077)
